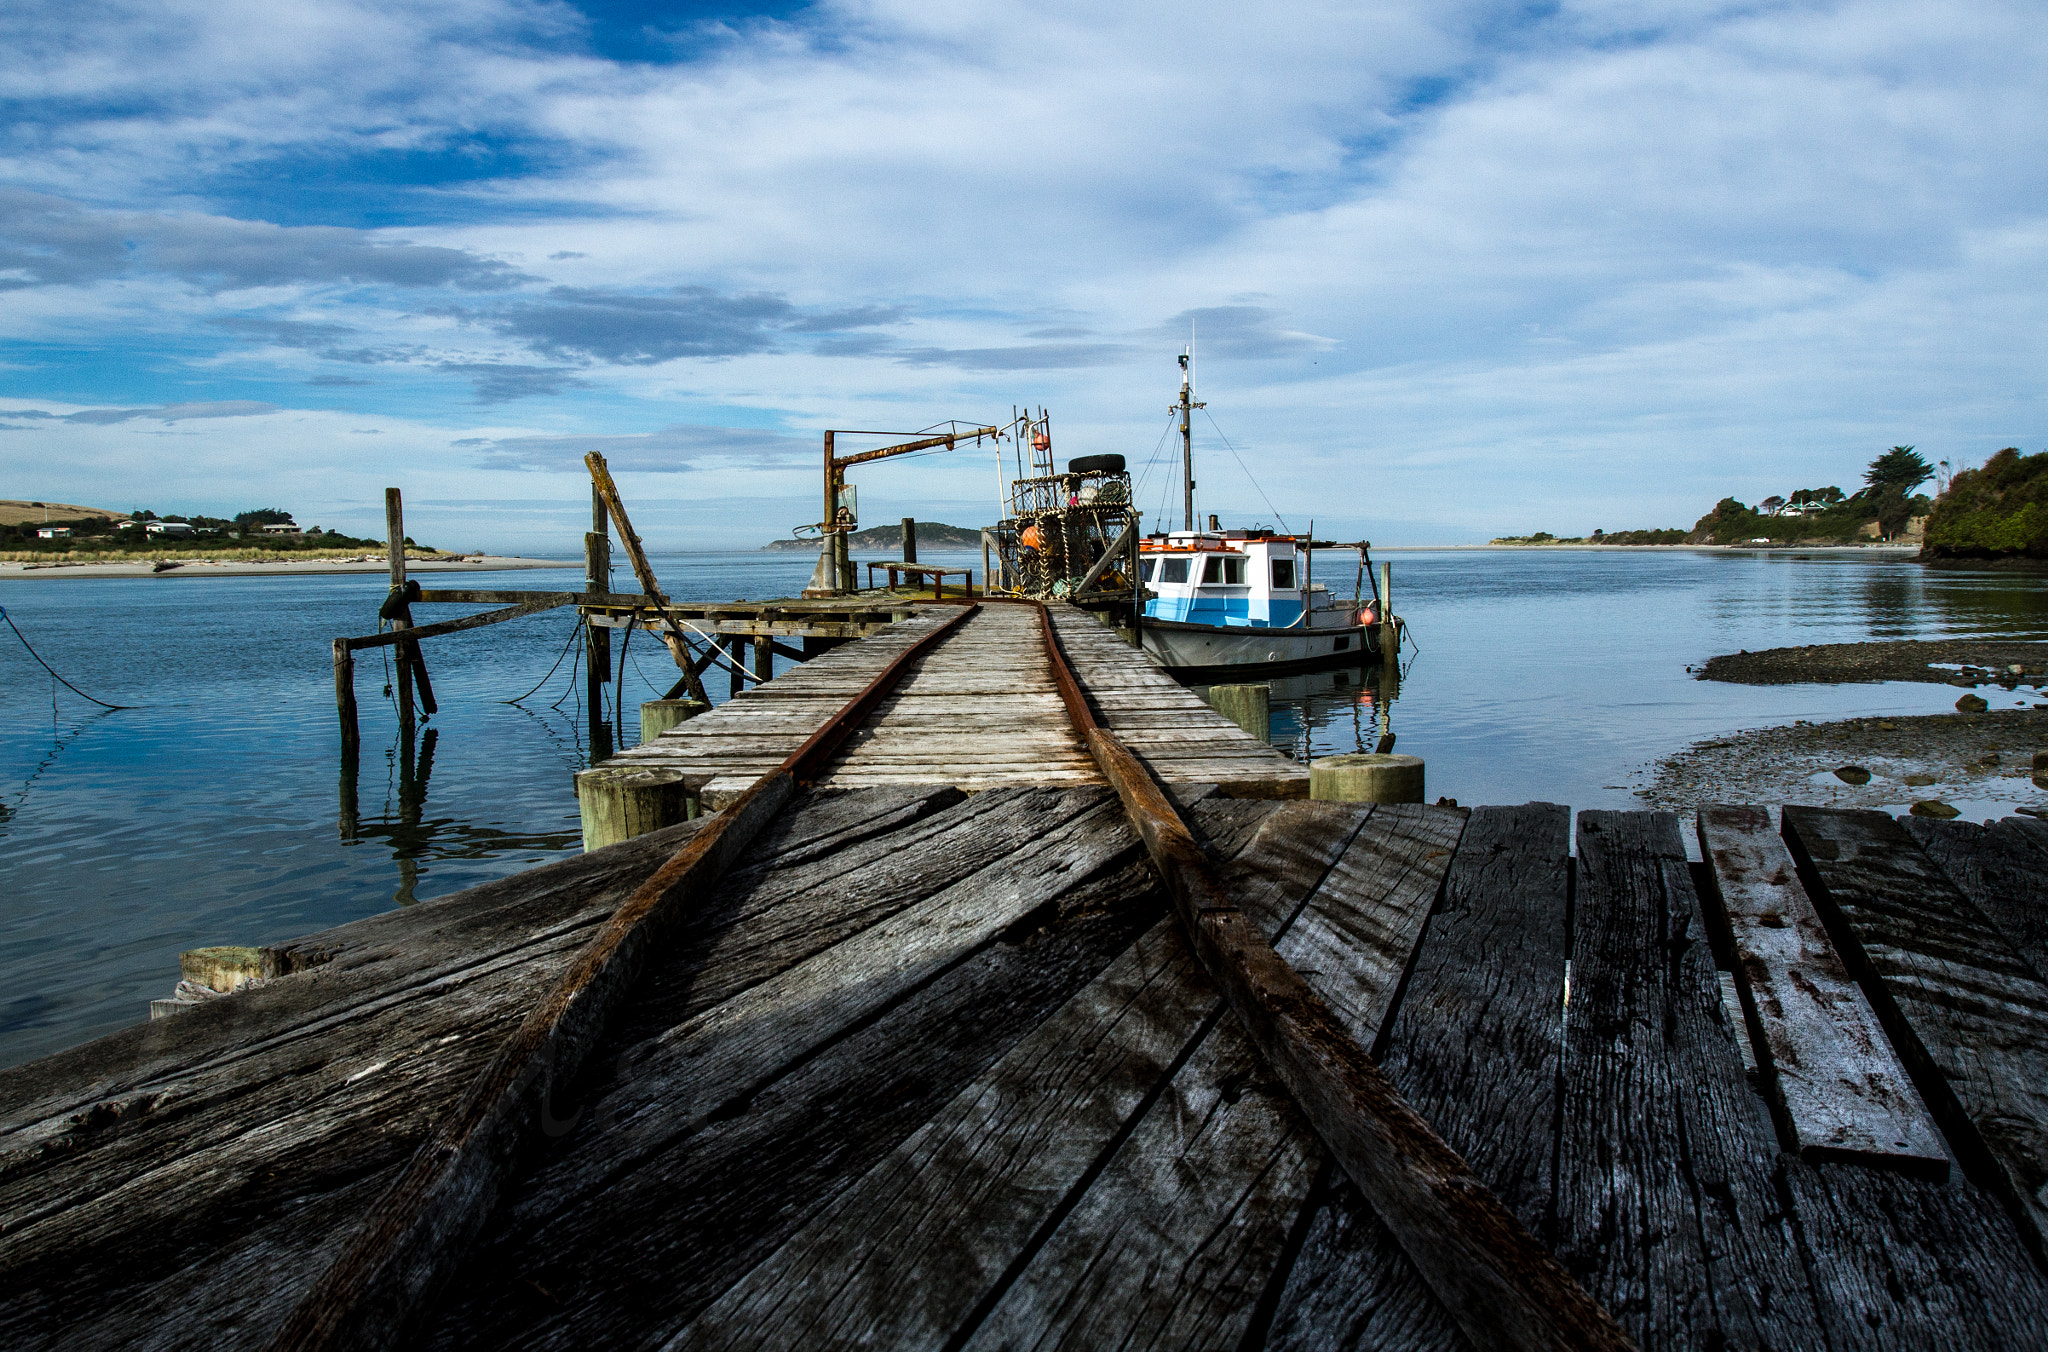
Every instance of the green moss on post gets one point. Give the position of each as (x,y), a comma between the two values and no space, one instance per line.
(659,715)
(1248,706)
(1366,778)
(221,969)
(619,804)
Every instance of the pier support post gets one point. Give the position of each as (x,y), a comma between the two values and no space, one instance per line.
(910,539)
(1248,706)
(1366,778)
(659,715)
(1390,629)
(618,804)
(345,695)
(735,656)
(764,658)
(597,650)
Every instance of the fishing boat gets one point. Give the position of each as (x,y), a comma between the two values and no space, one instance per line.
(1245,601)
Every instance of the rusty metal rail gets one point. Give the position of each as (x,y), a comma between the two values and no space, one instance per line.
(1503,1288)
(423,1225)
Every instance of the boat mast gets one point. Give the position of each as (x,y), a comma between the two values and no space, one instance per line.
(1187,440)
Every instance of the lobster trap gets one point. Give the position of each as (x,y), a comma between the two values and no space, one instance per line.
(1068,536)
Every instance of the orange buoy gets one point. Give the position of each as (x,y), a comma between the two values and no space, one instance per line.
(1029,539)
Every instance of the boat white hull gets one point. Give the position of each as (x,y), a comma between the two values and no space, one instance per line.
(1180,646)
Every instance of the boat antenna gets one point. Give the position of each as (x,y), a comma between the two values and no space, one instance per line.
(1185,407)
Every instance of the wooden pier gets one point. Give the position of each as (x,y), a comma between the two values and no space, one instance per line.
(979,711)
(942,1056)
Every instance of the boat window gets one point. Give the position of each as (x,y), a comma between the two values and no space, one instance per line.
(1150,564)
(1173,570)
(1233,572)
(1223,569)
(1283,575)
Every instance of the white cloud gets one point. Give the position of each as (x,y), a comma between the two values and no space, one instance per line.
(1448,265)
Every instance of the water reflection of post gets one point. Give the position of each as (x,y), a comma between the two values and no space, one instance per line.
(412,802)
(351,815)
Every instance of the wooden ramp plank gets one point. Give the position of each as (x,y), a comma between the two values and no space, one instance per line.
(1666,1208)
(1839,1085)
(980,1187)
(192,1196)
(1473,1048)
(1905,1262)
(570,1268)
(1967,1015)
(1175,1241)
(2002,869)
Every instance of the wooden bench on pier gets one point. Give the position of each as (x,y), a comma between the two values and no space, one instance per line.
(895,570)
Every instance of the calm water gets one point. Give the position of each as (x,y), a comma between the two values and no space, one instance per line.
(211,815)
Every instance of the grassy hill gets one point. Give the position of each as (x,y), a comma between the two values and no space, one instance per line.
(1999,511)
(22,512)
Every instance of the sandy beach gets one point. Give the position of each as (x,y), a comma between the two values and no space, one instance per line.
(460,563)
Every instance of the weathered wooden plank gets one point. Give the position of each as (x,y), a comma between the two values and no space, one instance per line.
(1839,1086)
(1904,1262)
(1665,1204)
(1474,1048)
(1176,1239)
(2002,869)
(777,913)
(951,1210)
(1966,1014)
(567,1271)
(668,1086)
(1171,1246)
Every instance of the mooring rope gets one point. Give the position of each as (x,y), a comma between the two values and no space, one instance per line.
(52,670)
(574,633)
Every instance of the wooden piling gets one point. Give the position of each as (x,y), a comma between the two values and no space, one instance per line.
(618,805)
(394,550)
(1390,628)
(764,658)
(222,969)
(1366,778)
(1248,706)
(345,694)
(910,539)
(597,640)
(659,715)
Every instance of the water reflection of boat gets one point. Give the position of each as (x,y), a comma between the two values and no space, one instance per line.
(1244,601)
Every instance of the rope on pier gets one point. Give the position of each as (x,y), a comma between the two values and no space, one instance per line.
(52,670)
(574,634)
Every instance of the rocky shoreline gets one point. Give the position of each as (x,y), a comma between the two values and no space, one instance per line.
(1981,764)
(1960,662)
(1979,760)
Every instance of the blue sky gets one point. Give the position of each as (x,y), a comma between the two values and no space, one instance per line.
(1453,269)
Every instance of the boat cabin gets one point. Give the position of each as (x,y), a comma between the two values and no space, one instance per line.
(1242,578)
